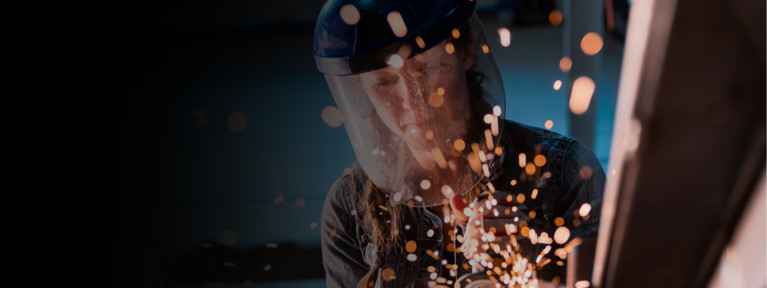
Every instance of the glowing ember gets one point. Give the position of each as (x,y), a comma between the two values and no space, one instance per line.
(485,49)
(397,24)
(522,160)
(585,209)
(349,14)
(449,48)
(520,197)
(580,97)
(539,160)
(534,193)
(459,145)
(410,246)
(456,33)
(555,17)
(388,274)
(561,235)
(395,61)
(419,42)
(557,84)
(591,43)
(565,64)
(505,35)
(548,124)
(530,169)
(559,221)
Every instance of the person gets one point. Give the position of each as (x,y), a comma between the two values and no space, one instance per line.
(445,190)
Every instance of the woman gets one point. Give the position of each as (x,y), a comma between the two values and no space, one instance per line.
(445,188)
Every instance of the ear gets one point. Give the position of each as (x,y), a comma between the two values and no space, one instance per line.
(469,55)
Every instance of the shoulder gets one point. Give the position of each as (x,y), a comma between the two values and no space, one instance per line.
(346,192)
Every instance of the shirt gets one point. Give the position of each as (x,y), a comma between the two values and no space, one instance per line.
(561,172)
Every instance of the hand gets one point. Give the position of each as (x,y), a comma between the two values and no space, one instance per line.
(491,223)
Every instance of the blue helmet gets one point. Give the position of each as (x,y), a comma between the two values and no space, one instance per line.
(354,36)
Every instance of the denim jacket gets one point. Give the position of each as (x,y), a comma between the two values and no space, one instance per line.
(570,177)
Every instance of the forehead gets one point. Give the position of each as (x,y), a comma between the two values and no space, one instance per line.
(435,55)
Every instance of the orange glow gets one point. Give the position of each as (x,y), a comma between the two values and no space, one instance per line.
(539,160)
(349,14)
(410,246)
(513,182)
(557,85)
(521,198)
(419,42)
(436,100)
(498,151)
(456,33)
(397,24)
(555,18)
(439,157)
(388,274)
(580,97)
(535,193)
(459,145)
(449,48)
(559,221)
(522,160)
(485,49)
(565,64)
(530,169)
(548,124)
(591,43)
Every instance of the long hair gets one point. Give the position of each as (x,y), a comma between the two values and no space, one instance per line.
(381,220)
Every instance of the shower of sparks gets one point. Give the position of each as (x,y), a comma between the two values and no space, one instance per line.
(548,124)
(565,64)
(591,43)
(430,233)
(580,98)
(397,24)
(350,14)
(332,116)
(557,85)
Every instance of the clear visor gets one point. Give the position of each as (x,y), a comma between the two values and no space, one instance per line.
(428,125)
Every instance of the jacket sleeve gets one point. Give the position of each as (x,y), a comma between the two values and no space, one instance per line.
(341,254)
(583,183)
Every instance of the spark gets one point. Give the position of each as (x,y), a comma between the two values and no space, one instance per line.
(449,48)
(561,235)
(397,24)
(459,145)
(580,97)
(456,33)
(565,64)
(534,194)
(505,35)
(555,17)
(549,124)
(395,61)
(557,85)
(425,184)
(485,49)
(350,14)
(585,209)
(591,43)
(522,161)
(419,42)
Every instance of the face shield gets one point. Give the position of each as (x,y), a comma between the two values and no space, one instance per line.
(426,124)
